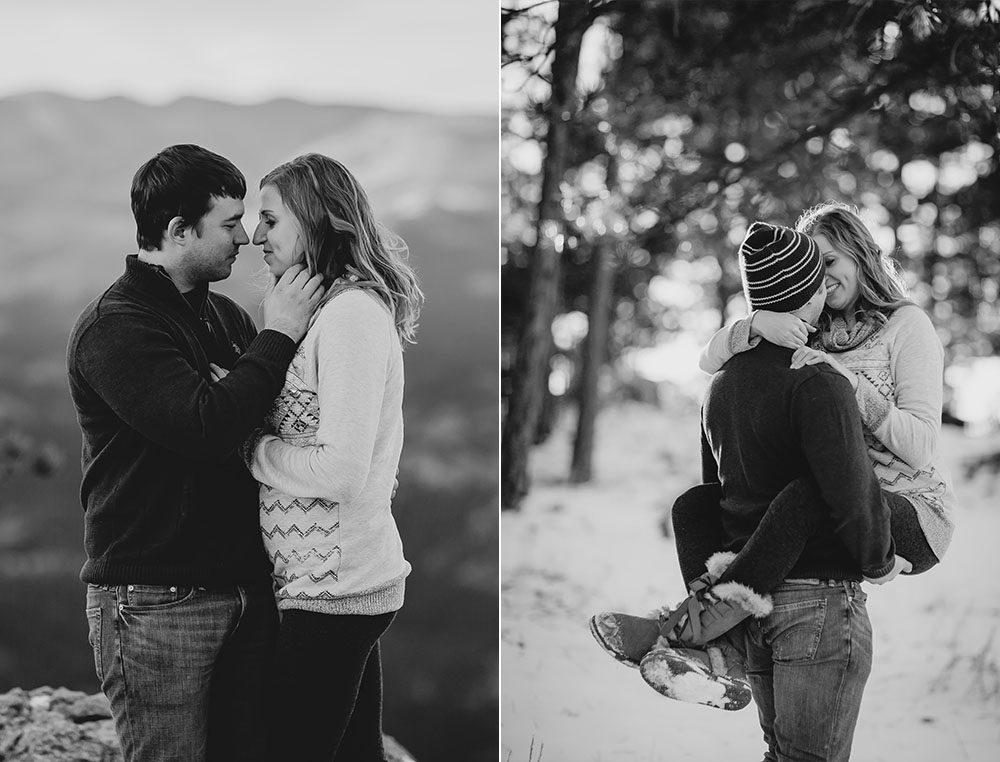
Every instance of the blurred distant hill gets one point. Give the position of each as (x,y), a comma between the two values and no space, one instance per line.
(66,166)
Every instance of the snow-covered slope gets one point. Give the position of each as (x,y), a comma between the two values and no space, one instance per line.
(934,692)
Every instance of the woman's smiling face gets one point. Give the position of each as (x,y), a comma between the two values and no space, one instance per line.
(842,287)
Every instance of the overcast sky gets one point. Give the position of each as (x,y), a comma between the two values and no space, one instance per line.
(431,55)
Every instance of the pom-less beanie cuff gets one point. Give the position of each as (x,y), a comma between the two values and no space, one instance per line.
(781,268)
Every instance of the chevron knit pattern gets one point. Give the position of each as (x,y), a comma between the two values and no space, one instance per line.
(313,567)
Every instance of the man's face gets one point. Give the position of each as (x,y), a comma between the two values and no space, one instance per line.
(811,310)
(216,242)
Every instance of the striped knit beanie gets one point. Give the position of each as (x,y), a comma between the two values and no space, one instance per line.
(781,268)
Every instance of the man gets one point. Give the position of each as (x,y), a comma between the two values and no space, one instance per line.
(763,426)
(179,603)
(768,429)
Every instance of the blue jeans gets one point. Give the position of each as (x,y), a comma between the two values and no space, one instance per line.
(808,662)
(188,671)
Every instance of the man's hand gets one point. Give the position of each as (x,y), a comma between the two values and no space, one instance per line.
(291,301)
(218,372)
(781,328)
(899,566)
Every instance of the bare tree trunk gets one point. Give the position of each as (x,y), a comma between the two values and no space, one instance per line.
(722,296)
(550,405)
(527,376)
(598,325)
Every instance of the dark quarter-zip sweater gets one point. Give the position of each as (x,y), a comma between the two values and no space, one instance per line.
(167,499)
(764,425)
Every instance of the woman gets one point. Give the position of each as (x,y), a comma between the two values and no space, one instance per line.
(327,460)
(888,349)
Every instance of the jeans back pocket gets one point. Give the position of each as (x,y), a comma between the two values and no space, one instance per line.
(797,630)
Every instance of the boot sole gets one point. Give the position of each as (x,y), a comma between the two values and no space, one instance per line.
(683,679)
(608,649)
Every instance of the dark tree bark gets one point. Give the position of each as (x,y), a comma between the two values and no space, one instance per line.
(594,358)
(530,363)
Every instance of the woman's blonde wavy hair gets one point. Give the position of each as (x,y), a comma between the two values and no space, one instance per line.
(880,286)
(340,231)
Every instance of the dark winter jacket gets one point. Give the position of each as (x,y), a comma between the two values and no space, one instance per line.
(167,499)
(764,425)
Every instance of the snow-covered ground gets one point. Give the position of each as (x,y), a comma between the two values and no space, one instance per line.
(934,692)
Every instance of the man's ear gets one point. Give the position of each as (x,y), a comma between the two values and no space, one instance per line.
(178,232)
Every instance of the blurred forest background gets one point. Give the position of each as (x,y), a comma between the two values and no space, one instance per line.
(66,166)
(640,138)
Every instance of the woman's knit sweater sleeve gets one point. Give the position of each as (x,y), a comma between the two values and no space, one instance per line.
(726,342)
(910,424)
(351,344)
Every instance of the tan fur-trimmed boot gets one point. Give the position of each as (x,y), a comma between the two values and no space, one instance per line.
(627,637)
(711,610)
(708,612)
(715,676)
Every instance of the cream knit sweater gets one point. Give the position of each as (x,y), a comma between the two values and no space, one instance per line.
(900,372)
(327,472)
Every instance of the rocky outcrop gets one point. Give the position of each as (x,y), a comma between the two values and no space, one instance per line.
(56,725)
(61,725)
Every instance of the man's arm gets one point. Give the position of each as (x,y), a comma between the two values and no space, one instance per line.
(709,465)
(135,366)
(829,427)
(696,517)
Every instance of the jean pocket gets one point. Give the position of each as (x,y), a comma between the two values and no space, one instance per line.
(94,635)
(156,597)
(800,627)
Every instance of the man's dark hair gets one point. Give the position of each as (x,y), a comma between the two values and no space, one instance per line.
(180,181)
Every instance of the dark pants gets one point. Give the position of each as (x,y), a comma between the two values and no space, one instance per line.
(794,515)
(329,687)
(186,669)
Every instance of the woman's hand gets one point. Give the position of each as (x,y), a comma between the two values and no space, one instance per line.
(899,566)
(781,328)
(805,356)
(218,372)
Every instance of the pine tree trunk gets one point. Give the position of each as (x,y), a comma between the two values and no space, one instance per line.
(528,375)
(598,325)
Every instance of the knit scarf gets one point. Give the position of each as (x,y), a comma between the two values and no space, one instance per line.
(839,338)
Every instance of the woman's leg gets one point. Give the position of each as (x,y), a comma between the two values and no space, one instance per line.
(911,542)
(794,516)
(363,736)
(322,669)
(739,581)
(791,519)
(697,523)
